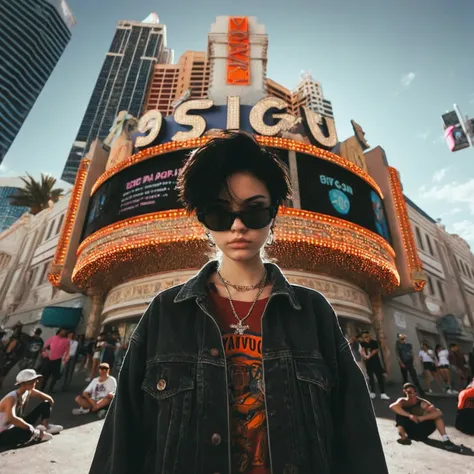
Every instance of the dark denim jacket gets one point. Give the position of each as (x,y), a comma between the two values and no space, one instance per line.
(170,412)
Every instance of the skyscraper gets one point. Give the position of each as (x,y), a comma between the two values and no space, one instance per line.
(33,36)
(122,84)
(10,214)
(309,92)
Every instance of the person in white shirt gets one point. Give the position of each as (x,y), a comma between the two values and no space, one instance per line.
(18,428)
(69,360)
(444,368)
(98,395)
(427,357)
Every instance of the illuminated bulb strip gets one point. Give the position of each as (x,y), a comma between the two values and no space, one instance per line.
(276,142)
(69,220)
(180,214)
(293,227)
(409,245)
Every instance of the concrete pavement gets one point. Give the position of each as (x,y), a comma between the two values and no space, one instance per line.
(71,451)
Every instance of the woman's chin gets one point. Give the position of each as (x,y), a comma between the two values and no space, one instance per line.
(241,255)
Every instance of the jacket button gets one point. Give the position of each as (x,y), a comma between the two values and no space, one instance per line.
(215,352)
(216,439)
(161,385)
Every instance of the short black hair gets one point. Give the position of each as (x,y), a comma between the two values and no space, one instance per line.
(209,167)
(38,331)
(453,344)
(409,385)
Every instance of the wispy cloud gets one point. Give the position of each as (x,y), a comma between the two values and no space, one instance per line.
(453,193)
(439,175)
(465,229)
(424,135)
(6,171)
(407,79)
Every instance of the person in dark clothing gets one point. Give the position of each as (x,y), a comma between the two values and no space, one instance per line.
(109,349)
(373,365)
(406,359)
(33,350)
(238,370)
(417,418)
(458,362)
(12,352)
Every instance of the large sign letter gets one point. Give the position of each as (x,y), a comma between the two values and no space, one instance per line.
(197,123)
(314,122)
(150,122)
(261,108)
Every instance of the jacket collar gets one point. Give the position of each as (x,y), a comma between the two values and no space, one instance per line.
(196,287)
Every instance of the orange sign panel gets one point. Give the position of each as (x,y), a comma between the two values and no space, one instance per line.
(238,56)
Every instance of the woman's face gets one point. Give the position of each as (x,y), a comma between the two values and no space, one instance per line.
(246,192)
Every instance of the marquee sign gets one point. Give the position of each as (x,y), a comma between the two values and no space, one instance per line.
(268,117)
(238,58)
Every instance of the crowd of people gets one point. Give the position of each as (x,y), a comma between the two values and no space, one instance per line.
(43,364)
(417,418)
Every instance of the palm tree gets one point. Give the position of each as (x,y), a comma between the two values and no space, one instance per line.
(37,195)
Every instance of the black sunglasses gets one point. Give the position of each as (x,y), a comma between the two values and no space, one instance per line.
(219,220)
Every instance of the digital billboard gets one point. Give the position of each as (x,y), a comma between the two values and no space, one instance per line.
(149,186)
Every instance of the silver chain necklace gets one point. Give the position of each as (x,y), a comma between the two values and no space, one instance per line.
(240,328)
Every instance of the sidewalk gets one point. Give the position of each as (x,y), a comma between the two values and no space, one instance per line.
(71,452)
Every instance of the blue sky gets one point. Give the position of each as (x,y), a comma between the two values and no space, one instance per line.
(393,66)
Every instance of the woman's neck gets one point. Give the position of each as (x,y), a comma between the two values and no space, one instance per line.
(242,273)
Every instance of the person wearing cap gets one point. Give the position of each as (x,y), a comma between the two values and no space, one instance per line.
(16,428)
(98,394)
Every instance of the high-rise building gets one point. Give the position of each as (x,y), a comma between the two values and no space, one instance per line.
(122,83)
(189,79)
(9,214)
(33,37)
(309,92)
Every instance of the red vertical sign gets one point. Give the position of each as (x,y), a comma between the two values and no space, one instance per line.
(238,55)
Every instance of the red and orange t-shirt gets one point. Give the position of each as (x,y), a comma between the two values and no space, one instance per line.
(248,421)
(466,399)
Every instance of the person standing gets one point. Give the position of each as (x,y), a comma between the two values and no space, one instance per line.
(237,370)
(458,361)
(33,350)
(12,352)
(16,428)
(444,368)
(427,357)
(373,365)
(56,347)
(70,360)
(406,360)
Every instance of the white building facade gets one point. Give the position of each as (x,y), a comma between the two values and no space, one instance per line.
(27,249)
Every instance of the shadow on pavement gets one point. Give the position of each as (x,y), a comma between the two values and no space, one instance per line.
(434,443)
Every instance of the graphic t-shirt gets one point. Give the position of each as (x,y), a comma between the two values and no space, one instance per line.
(35,345)
(370,346)
(99,390)
(248,421)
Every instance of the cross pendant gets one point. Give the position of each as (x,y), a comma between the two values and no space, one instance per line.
(239,328)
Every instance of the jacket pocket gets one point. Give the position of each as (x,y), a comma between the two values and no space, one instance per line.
(315,382)
(171,388)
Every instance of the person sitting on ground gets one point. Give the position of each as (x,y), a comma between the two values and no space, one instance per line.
(465,416)
(99,393)
(417,418)
(16,429)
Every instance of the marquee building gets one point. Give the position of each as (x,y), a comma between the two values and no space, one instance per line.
(349,232)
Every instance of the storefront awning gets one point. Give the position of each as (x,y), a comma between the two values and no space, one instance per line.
(450,326)
(61,317)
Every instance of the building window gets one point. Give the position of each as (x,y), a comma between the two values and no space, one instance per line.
(60,223)
(441,291)
(419,239)
(430,286)
(50,230)
(430,246)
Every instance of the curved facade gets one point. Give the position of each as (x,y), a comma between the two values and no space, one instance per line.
(345,234)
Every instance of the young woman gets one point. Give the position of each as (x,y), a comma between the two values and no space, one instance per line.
(442,356)
(237,371)
(427,357)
